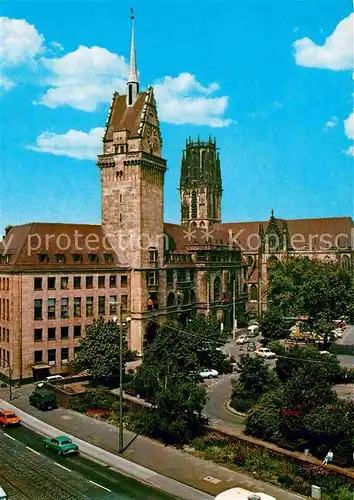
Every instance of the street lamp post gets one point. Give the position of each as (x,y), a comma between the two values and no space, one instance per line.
(120,430)
(10,376)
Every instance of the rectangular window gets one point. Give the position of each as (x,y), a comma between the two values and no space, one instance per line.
(64,283)
(102,305)
(77,282)
(51,357)
(7,336)
(43,258)
(124,300)
(38,309)
(64,310)
(77,307)
(93,258)
(38,356)
(38,334)
(101,281)
(112,304)
(77,258)
(124,281)
(76,350)
(89,281)
(77,331)
(60,258)
(51,308)
(64,355)
(169,276)
(108,258)
(51,283)
(152,278)
(64,332)
(51,333)
(89,307)
(112,281)
(152,256)
(38,283)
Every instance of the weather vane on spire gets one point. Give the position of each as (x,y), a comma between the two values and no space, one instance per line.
(131,13)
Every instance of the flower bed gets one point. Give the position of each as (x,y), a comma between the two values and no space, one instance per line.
(269,466)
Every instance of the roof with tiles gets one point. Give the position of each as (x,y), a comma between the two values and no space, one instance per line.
(124,117)
(59,243)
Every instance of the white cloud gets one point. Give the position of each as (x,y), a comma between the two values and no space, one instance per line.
(5,83)
(84,78)
(183,100)
(74,143)
(333,122)
(335,54)
(19,42)
(350,151)
(349,126)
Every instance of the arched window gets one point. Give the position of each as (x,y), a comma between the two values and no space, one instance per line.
(171,300)
(253,292)
(216,288)
(250,260)
(194,205)
(345,262)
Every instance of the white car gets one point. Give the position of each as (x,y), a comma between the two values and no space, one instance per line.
(242,494)
(264,352)
(208,373)
(325,352)
(242,340)
(53,378)
(3,495)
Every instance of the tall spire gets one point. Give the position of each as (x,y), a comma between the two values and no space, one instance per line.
(133,83)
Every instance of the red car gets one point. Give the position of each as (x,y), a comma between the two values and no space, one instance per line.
(9,418)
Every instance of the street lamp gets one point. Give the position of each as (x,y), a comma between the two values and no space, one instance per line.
(119,319)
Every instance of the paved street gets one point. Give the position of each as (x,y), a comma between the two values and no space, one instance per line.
(219,391)
(347,337)
(29,471)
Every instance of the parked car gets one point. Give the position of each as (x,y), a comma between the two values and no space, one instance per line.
(264,352)
(243,339)
(3,495)
(53,378)
(253,330)
(208,373)
(43,399)
(251,346)
(9,418)
(62,445)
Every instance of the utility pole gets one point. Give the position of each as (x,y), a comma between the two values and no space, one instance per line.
(234,324)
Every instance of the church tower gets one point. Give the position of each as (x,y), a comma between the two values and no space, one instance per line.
(200,184)
(132,182)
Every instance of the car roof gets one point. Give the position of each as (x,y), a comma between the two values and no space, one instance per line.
(8,412)
(62,438)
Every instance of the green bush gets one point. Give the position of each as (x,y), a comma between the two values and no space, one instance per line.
(99,398)
(286,480)
(240,404)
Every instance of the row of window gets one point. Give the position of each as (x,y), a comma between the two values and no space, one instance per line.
(5,309)
(5,284)
(77,306)
(5,358)
(76,258)
(38,335)
(78,281)
(5,335)
(51,356)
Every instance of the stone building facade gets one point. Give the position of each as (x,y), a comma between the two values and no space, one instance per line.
(134,268)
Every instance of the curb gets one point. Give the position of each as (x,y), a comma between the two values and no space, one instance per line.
(231,410)
(119,464)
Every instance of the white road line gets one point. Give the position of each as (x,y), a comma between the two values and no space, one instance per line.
(13,439)
(34,451)
(62,466)
(100,486)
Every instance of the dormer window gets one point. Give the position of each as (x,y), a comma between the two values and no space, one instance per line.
(43,258)
(6,258)
(60,258)
(93,258)
(108,258)
(77,258)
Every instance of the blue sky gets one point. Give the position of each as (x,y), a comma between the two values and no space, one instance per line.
(270,79)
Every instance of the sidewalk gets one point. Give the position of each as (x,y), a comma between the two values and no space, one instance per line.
(155,460)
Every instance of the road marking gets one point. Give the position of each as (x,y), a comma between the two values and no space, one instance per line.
(100,486)
(13,439)
(34,451)
(212,479)
(62,466)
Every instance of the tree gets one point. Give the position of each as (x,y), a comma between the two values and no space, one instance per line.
(263,419)
(205,340)
(302,286)
(288,362)
(255,379)
(99,350)
(272,325)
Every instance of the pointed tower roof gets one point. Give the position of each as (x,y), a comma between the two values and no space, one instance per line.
(133,73)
